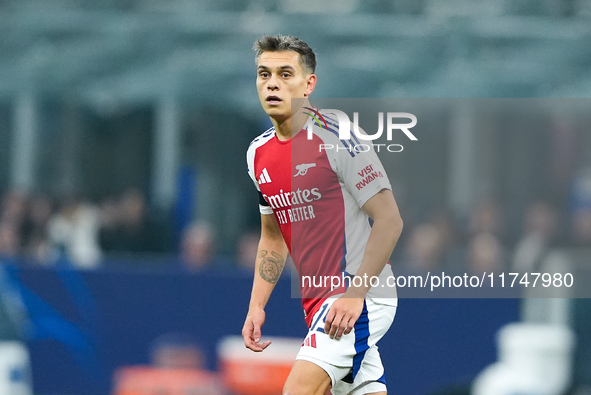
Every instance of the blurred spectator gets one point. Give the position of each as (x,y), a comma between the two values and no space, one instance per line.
(197,247)
(444,222)
(582,227)
(13,208)
(73,233)
(581,208)
(109,219)
(247,250)
(177,351)
(9,240)
(36,242)
(486,217)
(485,254)
(423,250)
(540,228)
(127,226)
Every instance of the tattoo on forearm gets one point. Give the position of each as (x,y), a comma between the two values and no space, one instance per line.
(271,266)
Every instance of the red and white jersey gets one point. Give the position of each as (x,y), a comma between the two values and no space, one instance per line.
(316,194)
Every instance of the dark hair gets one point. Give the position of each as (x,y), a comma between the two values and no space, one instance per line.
(287,43)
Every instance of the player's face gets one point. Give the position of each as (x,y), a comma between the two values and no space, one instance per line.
(281,77)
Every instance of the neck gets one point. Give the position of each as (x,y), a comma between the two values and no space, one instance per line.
(290,126)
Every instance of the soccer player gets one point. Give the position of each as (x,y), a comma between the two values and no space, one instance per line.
(334,212)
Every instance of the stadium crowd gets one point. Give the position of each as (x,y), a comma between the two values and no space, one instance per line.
(42,230)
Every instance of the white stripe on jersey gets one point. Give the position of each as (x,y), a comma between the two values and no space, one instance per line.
(264,177)
(250,154)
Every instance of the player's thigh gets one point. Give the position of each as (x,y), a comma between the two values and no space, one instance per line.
(306,378)
(369,379)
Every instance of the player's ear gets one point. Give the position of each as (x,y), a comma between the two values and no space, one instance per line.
(310,84)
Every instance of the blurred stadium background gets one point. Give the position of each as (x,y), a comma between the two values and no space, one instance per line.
(127,220)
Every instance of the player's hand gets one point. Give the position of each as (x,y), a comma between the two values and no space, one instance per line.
(343,315)
(251,332)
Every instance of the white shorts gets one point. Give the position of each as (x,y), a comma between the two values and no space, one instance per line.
(352,362)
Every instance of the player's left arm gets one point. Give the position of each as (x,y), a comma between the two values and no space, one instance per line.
(386,229)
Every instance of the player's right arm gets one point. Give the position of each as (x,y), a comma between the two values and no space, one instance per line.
(270,260)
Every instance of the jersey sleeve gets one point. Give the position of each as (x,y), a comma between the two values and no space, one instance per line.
(264,207)
(360,169)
